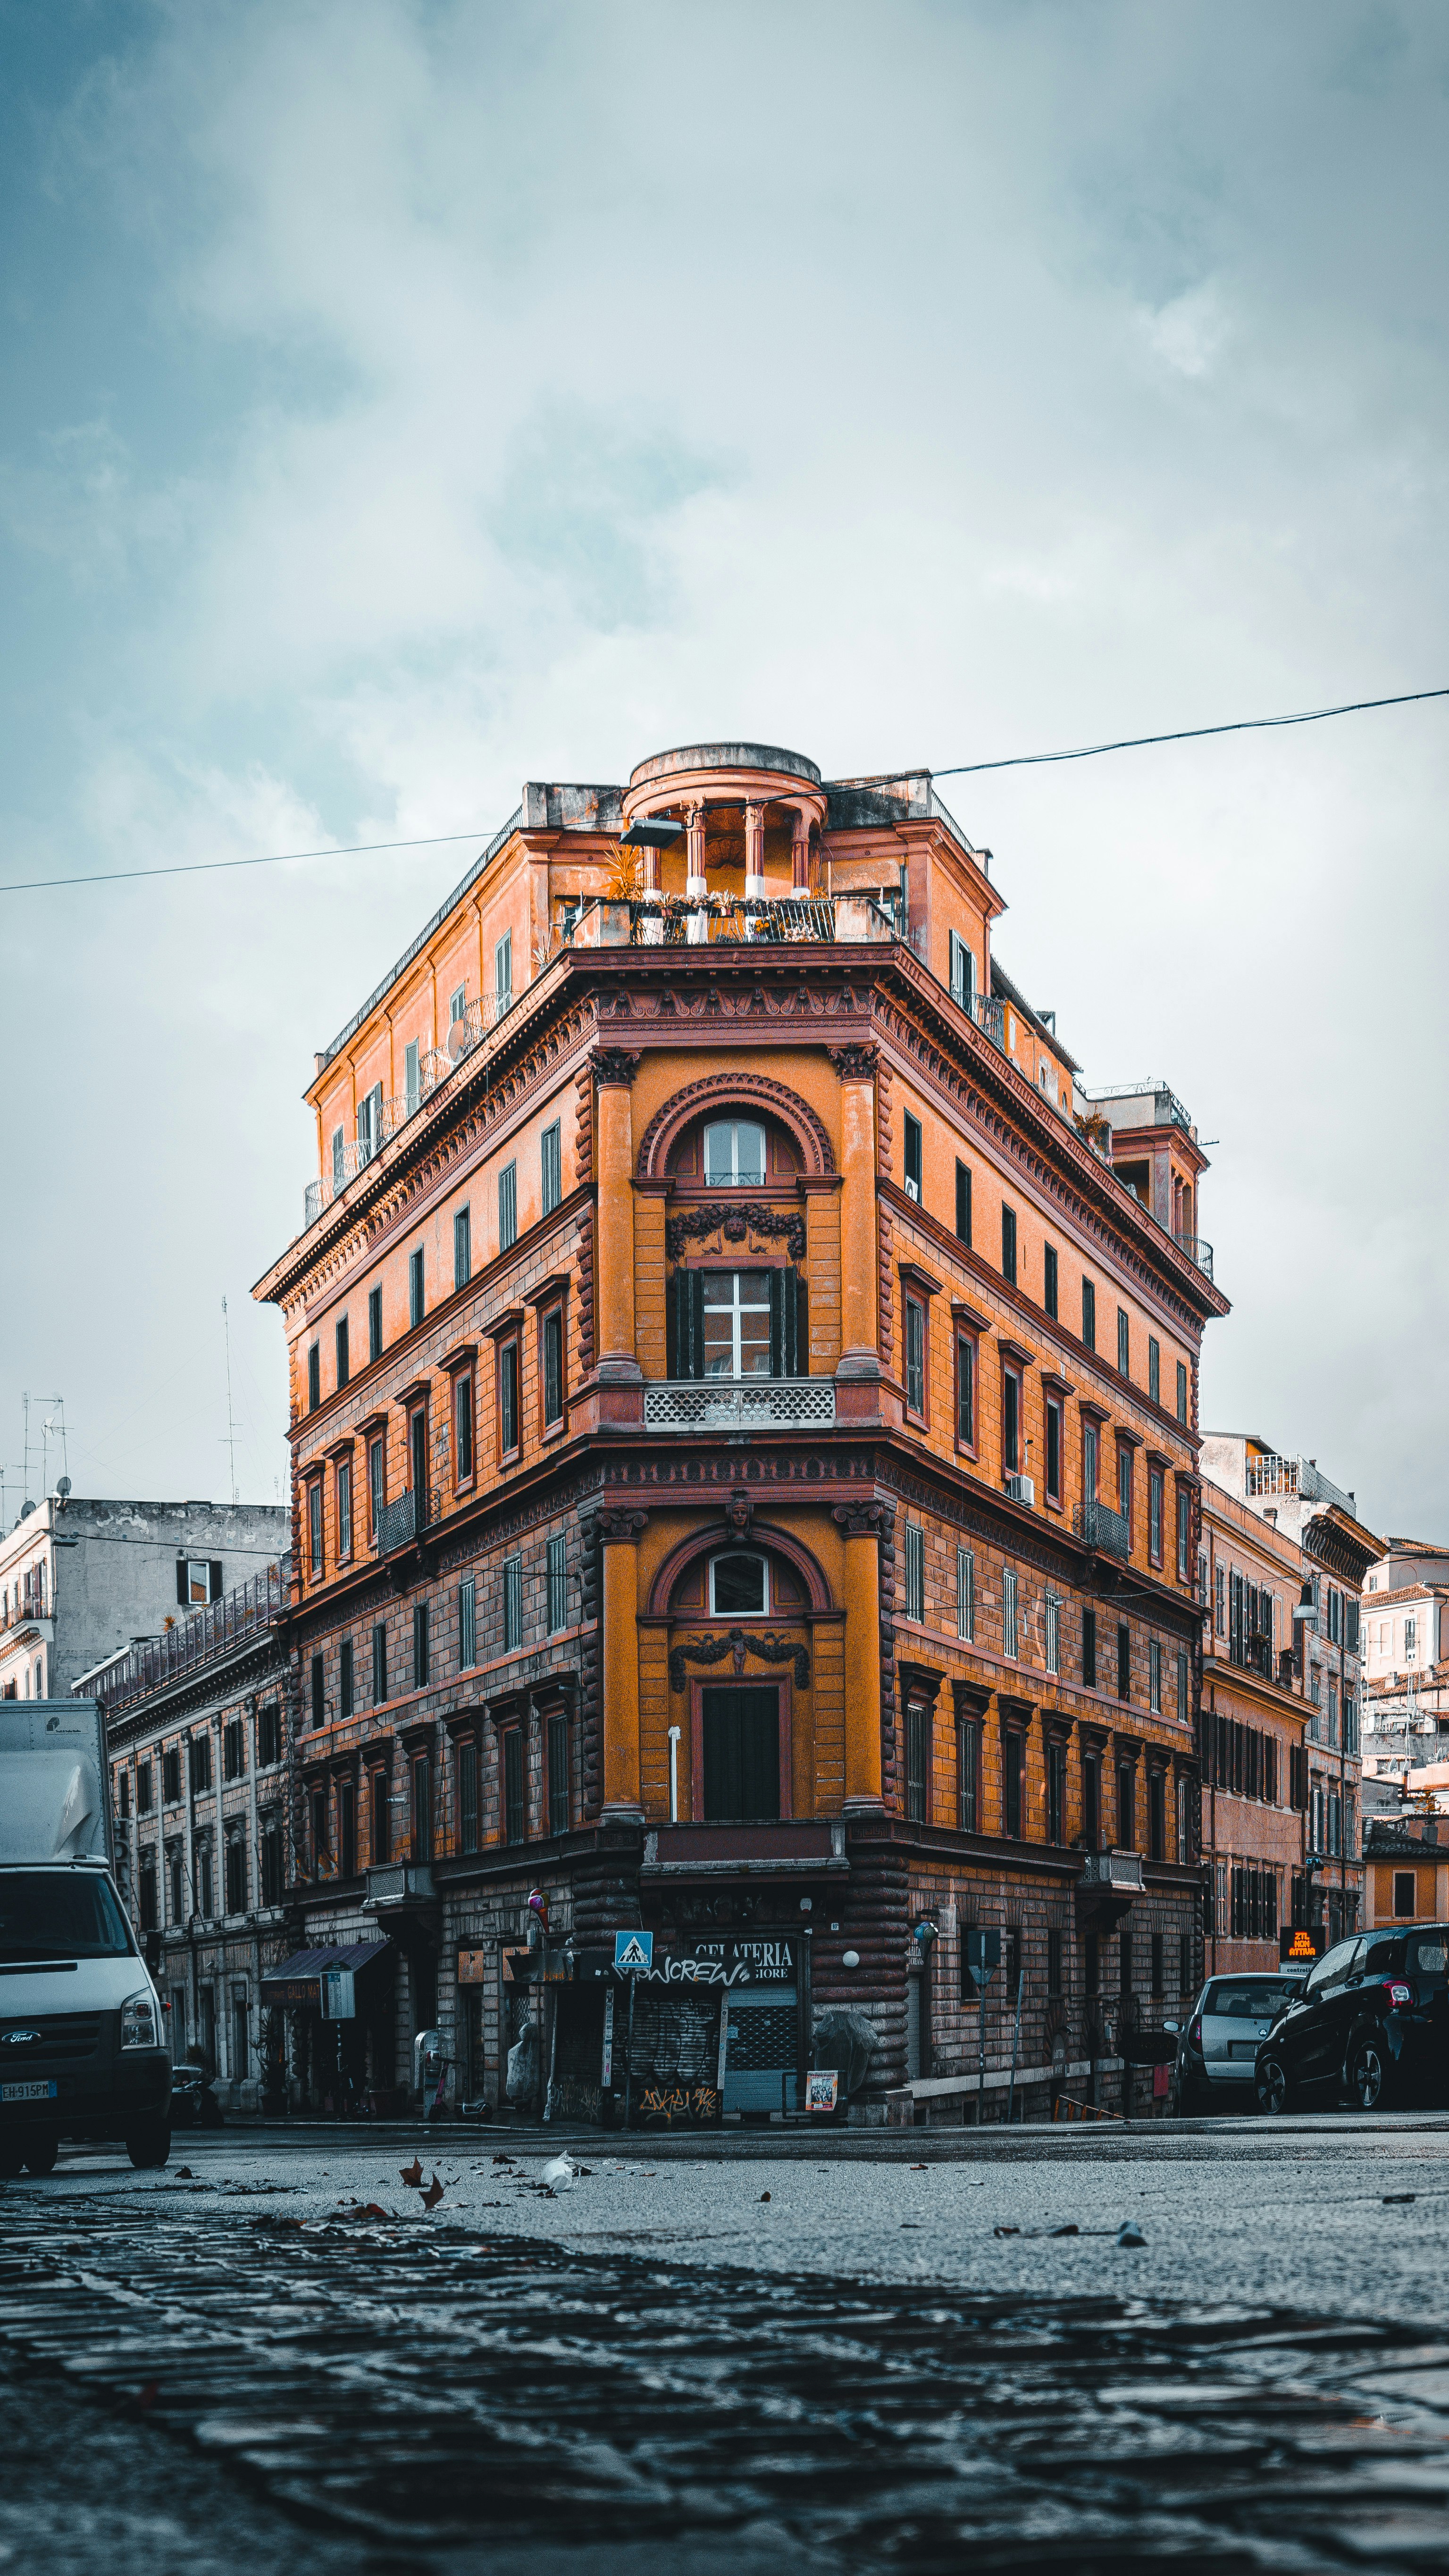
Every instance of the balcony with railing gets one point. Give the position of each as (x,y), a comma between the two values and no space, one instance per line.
(1197,1251)
(682,921)
(1104,1529)
(740,1404)
(401,1521)
(236,1620)
(1271,1475)
(380,1120)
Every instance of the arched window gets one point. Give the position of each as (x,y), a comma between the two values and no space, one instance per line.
(739,1586)
(734,1154)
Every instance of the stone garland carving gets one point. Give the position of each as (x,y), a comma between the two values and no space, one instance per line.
(734,1223)
(713,1650)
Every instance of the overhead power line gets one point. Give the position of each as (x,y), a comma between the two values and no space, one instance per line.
(1191,733)
(885,778)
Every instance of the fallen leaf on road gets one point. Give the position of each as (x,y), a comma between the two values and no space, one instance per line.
(764,2195)
(411,2174)
(433,2194)
(183,2173)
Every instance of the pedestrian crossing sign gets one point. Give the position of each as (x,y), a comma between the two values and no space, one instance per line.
(634,1953)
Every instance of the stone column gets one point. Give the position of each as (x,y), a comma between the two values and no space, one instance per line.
(618,1363)
(800,852)
(860,1357)
(618,1536)
(862,1524)
(695,887)
(754,853)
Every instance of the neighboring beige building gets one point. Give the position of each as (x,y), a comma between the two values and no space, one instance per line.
(1406,1676)
(1252,1733)
(1294,1497)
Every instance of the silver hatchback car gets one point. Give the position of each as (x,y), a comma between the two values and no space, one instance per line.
(1219,2041)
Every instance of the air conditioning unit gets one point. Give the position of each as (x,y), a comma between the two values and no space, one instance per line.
(1021,1489)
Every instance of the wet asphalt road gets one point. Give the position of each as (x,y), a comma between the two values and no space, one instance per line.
(280,2350)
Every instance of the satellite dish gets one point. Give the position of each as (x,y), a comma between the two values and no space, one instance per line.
(26,1509)
(458,1039)
(63,1488)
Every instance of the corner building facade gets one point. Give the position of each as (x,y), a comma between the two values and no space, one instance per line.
(745,1473)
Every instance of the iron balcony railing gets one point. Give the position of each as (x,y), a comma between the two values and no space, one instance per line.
(1103,1528)
(245,1613)
(739,1404)
(679,921)
(401,1521)
(1197,1251)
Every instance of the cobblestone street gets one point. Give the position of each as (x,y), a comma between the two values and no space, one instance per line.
(662,2366)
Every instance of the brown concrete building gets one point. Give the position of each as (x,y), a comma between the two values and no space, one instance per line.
(745,1471)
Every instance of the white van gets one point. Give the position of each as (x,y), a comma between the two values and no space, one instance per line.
(82,2041)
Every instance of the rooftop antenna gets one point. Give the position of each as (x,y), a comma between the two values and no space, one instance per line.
(230,1441)
(54,1422)
(57,1400)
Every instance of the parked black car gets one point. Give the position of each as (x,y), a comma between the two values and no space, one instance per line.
(193,2102)
(1372,2024)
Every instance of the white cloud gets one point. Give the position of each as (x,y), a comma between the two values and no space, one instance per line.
(504,395)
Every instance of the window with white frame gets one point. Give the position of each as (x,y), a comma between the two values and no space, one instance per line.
(737,1323)
(1053,1633)
(963,972)
(734,1154)
(739,1586)
(503,972)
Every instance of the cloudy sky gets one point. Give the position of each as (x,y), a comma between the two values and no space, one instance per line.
(403,401)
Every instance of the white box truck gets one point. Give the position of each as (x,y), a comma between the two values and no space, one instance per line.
(82,2040)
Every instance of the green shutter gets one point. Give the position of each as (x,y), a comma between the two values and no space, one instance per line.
(688,1323)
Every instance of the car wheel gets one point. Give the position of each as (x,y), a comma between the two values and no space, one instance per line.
(1275,2093)
(40,2155)
(151,2145)
(12,2157)
(1368,2072)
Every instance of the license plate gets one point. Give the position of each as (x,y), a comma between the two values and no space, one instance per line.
(27,2092)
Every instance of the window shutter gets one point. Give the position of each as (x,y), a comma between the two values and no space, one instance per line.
(181,1580)
(689,1323)
(963,1202)
(214,1587)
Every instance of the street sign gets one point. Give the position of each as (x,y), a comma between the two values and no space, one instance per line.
(633,1953)
(983,1955)
(1296,1943)
(339,2000)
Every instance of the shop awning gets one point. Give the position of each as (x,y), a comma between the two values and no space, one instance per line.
(299,1979)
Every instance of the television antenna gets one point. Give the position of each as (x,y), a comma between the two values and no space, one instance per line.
(229,1444)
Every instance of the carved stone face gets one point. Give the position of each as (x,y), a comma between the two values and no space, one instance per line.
(737,1513)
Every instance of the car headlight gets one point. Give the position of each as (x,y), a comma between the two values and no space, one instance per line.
(138,2021)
